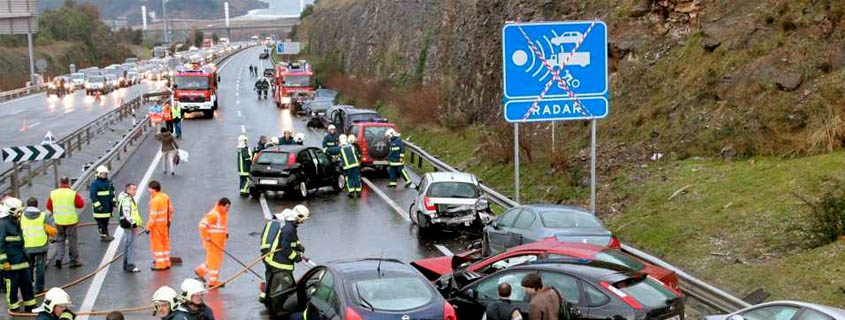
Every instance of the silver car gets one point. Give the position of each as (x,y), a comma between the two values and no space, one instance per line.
(449,199)
(783,310)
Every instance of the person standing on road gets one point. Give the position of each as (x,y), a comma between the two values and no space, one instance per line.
(503,309)
(158,226)
(13,261)
(244,162)
(214,230)
(55,306)
(351,165)
(167,116)
(102,199)
(261,86)
(166,305)
(64,203)
(396,159)
(282,244)
(169,148)
(130,221)
(260,145)
(331,141)
(37,229)
(191,300)
(156,116)
(545,301)
(176,112)
(287,138)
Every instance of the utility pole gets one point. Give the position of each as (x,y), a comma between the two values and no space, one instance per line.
(226,13)
(164,17)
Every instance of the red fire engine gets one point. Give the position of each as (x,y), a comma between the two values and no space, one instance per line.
(195,89)
(292,81)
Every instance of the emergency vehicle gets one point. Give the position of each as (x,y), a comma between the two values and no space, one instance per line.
(292,83)
(195,89)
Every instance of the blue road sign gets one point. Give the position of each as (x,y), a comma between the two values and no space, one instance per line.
(280,47)
(533,52)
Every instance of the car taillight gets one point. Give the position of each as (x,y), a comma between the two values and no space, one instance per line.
(428,205)
(352,315)
(291,159)
(449,312)
(622,295)
(614,243)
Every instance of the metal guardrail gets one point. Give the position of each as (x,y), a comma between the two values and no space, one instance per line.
(691,286)
(11,94)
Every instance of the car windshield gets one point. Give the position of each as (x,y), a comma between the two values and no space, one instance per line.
(77,76)
(373,133)
(392,293)
(453,190)
(320,106)
(192,83)
(297,81)
(618,257)
(96,79)
(272,158)
(568,219)
(646,291)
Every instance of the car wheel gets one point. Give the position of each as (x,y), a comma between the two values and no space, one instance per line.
(208,114)
(340,184)
(255,193)
(413,217)
(422,223)
(302,190)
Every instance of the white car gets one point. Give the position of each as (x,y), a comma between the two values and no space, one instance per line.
(78,80)
(784,310)
(567,37)
(449,199)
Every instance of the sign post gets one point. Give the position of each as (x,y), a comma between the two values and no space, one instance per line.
(555,71)
(47,150)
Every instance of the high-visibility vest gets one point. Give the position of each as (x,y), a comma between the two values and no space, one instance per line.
(176,111)
(34,234)
(166,114)
(64,206)
(349,156)
(134,214)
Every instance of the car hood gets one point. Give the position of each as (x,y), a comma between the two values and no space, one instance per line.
(433,268)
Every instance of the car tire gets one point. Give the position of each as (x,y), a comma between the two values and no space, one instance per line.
(208,114)
(423,225)
(412,217)
(255,193)
(339,184)
(301,190)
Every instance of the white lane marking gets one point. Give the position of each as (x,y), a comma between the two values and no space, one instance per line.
(389,201)
(265,208)
(445,251)
(97,284)
(243,129)
(34,124)
(240,114)
(237,101)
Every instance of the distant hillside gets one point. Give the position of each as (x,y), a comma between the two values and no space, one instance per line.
(195,9)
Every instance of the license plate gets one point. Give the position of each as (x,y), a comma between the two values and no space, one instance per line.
(677,317)
(381,162)
(268,182)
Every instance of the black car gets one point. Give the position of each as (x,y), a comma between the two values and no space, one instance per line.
(592,290)
(343,117)
(362,289)
(294,169)
(264,55)
(316,108)
(269,73)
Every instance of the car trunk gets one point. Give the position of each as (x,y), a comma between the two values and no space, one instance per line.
(452,207)
(271,164)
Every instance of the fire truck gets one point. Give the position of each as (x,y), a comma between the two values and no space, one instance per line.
(292,83)
(195,89)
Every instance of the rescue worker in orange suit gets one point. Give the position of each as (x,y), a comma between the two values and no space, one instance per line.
(244,162)
(214,231)
(13,262)
(158,226)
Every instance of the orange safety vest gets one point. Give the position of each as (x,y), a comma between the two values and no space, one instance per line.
(161,211)
(168,116)
(215,225)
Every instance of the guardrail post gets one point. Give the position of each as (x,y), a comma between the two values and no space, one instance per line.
(87,135)
(29,174)
(15,179)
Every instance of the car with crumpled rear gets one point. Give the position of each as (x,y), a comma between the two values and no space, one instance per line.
(373,144)
(447,200)
(294,169)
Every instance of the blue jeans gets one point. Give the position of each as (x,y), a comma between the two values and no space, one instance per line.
(129,249)
(36,263)
(177,127)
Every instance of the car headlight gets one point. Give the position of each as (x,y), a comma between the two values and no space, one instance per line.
(482,204)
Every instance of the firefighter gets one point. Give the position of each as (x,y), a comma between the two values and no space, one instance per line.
(351,165)
(331,141)
(166,305)
(214,231)
(55,306)
(103,201)
(244,162)
(191,300)
(282,243)
(158,226)
(396,157)
(261,86)
(13,262)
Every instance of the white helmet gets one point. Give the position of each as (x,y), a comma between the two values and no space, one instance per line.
(342,139)
(11,207)
(350,139)
(332,127)
(55,297)
(282,216)
(299,137)
(166,294)
(102,169)
(190,287)
(389,132)
(301,212)
(242,140)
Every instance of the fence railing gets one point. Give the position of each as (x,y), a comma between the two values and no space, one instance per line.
(12,94)
(691,286)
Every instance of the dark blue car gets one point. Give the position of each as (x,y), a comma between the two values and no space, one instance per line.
(365,289)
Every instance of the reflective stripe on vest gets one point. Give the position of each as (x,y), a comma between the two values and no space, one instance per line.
(213,228)
(64,207)
(133,210)
(242,161)
(350,159)
(266,233)
(34,235)
(269,258)
(104,193)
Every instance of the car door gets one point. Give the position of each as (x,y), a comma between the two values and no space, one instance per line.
(412,210)
(498,236)
(570,288)
(294,299)
(472,300)
(308,165)
(325,169)
(324,303)
(525,227)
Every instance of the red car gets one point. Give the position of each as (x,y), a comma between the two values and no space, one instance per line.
(549,248)
(374,145)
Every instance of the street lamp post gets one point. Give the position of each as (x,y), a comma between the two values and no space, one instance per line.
(164,17)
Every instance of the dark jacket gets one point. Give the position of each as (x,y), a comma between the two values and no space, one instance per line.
(397,150)
(330,141)
(11,244)
(168,143)
(203,312)
(286,241)
(179,314)
(544,305)
(500,310)
(102,195)
(244,161)
(44,315)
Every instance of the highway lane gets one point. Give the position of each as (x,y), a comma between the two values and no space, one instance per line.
(340,228)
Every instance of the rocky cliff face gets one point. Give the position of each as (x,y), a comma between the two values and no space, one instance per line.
(691,77)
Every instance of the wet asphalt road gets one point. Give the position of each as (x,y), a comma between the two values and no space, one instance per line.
(340,228)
